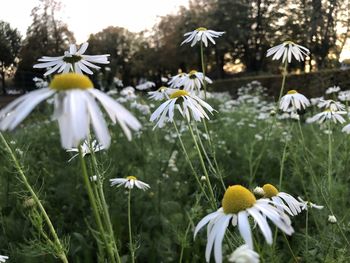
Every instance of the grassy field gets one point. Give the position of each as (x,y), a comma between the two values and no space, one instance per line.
(251,147)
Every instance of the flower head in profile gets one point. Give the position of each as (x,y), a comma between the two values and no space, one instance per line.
(145,85)
(332,219)
(86,148)
(161,94)
(129,182)
(186,103)
(293,101)
(75,109)
(201,34)
(282,200)
(344,95)
(328,115)
(72,60)
(331,104)
(244,254)
(308,204)
(175,81)
(237,205)
(193,81)
(3,258)
(334,89)
(287,50)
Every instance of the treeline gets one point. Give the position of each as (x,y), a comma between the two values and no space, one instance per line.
(251,26)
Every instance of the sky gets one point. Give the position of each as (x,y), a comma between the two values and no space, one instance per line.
(84,17)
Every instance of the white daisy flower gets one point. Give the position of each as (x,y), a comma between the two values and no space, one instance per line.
(288,50)
(145,85)
(332,219)
(281,199)
(244,254)
(176,80)
(75,108)
(293,101)
(331,104)
(333,89)
(193,81)
(3,258)
(128,93)
(201,34)
(85,148)
(344,95)
(161,94)
(129,182)
(187,104)
(308,204)
(72,60)
(237,205)
(328,115)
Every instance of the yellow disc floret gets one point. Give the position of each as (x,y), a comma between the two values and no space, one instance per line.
(237,198)
(179,93)
(293,91)
(192,72)
(67,81)
(270,190)
(131,177)
(201,29)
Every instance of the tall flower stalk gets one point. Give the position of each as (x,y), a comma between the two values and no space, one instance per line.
(58,248)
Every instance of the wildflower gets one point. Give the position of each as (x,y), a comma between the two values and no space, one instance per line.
(344,95)
(128,93)
(75,109)
(161,93)
(190,104)
(288,50)
(293,101)
(203,178)
(145,85)
(333,89)
(281,198)
(239,203)
(3,258)
(129,182)
(331,104)
(259,191)
(244,254)
(328,115)
(308,204)
(332,219)
(315,101)
(176,80)
(193,81)
(85,148)
(72,60)
(201,34)
(40,83)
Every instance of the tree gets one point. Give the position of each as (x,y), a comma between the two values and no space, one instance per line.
(45,36)
(10,43)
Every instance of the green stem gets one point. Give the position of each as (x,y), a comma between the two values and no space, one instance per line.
(306,233)
(282,164)
(189,161)
(203,71)
(131,246)
(329,172)
(203,166)
(290,249)
(284,75)
(94,206)
(104,206)
(61,253)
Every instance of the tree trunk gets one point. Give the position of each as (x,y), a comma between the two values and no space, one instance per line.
(3,82)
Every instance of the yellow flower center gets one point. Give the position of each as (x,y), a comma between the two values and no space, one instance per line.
(192,72)
(293,91)
(288,42)
(131,177)
(201,29)
(179,93)
(69,81)
(270,190)
(237,198)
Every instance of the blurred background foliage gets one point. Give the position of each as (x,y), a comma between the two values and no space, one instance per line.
(251,26)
